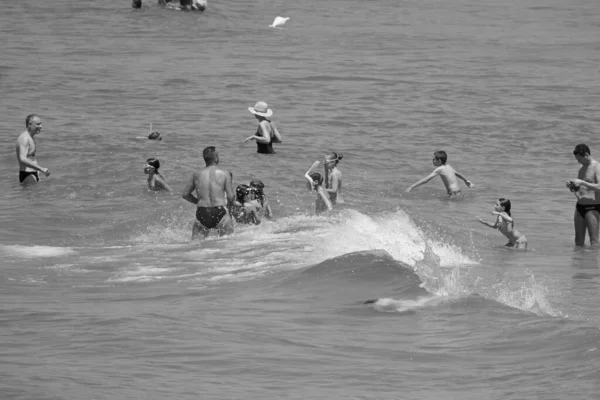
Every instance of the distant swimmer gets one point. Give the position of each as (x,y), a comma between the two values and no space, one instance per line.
(446,172)
(267,132)
(155,136)
(189,5)
(28,165)
(262,198)
(214,194)
(156,182)
(315,182)
(333,177)
(246,208)
(506,224)
(587,190)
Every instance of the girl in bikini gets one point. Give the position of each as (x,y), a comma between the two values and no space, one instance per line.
(315,182)
(333,177)
(506,225)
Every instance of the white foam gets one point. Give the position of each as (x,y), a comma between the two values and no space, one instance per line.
(37,251)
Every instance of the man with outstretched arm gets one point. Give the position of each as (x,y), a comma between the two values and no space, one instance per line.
(587,190)
(28,165)
(211,185)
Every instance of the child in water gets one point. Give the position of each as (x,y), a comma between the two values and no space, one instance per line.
(446,172)
(333,177)
(315,182)
(246,209)
(156,182)
(506,225)
(262,198)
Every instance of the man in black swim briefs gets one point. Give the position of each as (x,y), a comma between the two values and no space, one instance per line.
(28,165)
(211,185)
(587,190)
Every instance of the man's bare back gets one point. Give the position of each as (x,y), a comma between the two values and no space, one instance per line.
(211,185)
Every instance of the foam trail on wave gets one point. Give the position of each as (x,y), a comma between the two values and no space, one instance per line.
(36,251)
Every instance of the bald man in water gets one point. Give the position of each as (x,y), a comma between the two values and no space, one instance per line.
(28,165)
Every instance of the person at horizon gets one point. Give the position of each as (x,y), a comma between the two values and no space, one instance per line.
(156,182)
(26,148)
(333,177)
(587,191)
(315,182)
(267,132)
(246,208)
(262,198)
(506,224)
(214,195)
(446,172)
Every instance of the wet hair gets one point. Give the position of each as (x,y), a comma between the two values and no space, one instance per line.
(241,191)
(506,204)
(333,156)
(581,150)
(155,136)
(153,162)
(209,153)
(29,118)
(136,3)
(317,178)
(441,156)
(258,186)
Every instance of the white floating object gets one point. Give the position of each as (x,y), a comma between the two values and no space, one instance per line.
(279,22)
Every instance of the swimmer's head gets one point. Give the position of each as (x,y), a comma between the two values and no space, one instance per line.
(503,205)
(155,136)
(333,158)
(136,3)
(581,150)
(317,179)
(152,164)
(440,156)
(211,156)
(241,191)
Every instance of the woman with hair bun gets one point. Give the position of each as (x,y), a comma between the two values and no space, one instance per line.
(333,177)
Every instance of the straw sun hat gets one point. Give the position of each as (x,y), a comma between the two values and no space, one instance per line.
(261,108)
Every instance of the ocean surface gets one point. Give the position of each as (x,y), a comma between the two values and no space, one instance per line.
(105,296)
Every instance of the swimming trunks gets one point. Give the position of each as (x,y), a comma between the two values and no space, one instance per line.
(25,174)
(210,216)
(582,209)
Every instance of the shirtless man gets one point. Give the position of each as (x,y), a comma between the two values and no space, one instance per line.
(28,166)
(587,190)
(211,185)
(446,172)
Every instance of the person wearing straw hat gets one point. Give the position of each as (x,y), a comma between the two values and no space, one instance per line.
(267,132)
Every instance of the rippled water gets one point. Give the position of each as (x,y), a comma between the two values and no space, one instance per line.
(104,296)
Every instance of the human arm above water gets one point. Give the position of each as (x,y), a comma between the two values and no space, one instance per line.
(494,226)
(307,175)
(325,197)
(420,182)
(188,190)
(162,184)
(265,137)
(461,176)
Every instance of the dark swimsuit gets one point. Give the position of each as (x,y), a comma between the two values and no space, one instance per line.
(264,148)
(210,216)
(582,209)
(25,174)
